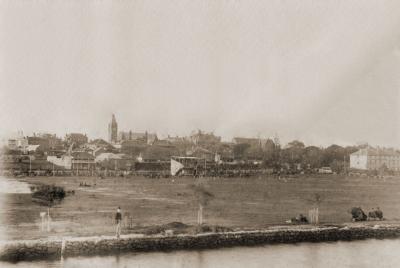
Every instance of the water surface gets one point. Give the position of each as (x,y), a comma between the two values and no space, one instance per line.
(13,186)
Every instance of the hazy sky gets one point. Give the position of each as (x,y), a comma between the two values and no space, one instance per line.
(320,71)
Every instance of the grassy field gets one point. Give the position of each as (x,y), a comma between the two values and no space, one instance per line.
(237,203)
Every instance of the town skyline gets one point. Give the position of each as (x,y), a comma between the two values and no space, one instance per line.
(161,136)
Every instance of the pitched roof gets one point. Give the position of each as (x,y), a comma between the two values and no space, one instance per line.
(82,155)
(107,156)
(99,142)
(76,135)
(238,140)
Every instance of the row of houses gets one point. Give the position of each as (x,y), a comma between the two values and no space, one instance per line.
(45,142)
(79,158)
(363,159)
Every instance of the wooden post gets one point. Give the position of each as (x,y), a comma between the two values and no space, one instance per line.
(30,165)
(314,215)
(200,215)
(205,166)
(63,247)
(48,219)
(42,215)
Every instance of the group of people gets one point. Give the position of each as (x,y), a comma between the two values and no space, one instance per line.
(84,184)
(358,214)
(300,219)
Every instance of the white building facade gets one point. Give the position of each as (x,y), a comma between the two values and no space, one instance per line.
(64,161)
(375,159)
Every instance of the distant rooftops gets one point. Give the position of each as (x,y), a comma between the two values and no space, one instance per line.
(81,155)
(377,152)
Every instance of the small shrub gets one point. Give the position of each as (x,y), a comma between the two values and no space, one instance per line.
(48,194)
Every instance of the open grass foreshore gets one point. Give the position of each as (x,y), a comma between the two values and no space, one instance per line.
(238,203)
(19,250)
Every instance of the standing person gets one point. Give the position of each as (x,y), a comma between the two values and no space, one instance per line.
(118,221)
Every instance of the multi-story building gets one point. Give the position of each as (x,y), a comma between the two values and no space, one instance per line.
(53,141)
(375,159)
(76,138)
(113,130)
(203,139)
(18,142)
(64,161)
(146,137)
(177,139)
(125,136)
(255,142)
(42,142)
(82,162)
(250,141)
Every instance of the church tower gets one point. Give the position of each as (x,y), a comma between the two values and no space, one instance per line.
(113,130)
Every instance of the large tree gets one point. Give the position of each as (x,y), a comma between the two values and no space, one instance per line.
(312,156)
(293,153)
(271,153)
(334,157)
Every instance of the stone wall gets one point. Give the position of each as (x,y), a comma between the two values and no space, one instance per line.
(28,250)
(95,246)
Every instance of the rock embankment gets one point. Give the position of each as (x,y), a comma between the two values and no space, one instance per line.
(36,249)
(28,250)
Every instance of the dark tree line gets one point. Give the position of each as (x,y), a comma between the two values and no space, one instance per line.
(296,155)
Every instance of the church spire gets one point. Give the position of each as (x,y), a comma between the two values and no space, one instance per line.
(113,130)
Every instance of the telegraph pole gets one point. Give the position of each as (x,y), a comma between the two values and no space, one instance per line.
(205,166)
(30,165)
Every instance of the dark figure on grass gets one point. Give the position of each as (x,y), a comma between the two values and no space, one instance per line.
(358,214)
(375,214)
(118,222)
(301,219)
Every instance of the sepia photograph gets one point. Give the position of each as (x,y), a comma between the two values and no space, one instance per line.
(199,133)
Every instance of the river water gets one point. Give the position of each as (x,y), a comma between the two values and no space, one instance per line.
(12,186)
(366,253)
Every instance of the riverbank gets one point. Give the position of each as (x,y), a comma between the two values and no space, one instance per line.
(103,245)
